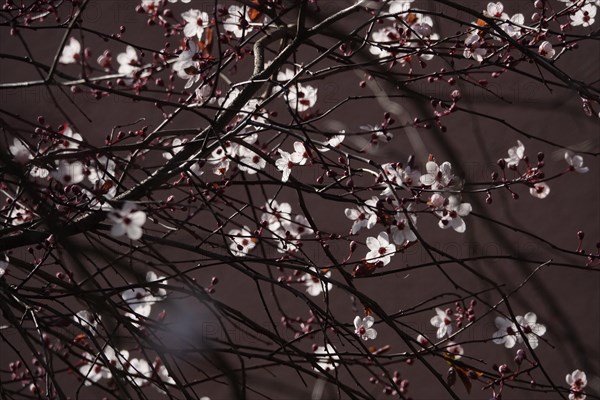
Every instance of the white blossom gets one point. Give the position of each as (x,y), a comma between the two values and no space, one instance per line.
(540,190)
(161,292)
(129,63)
(473,48)
(196,22)
(139,371)
(507,332)
(381,250)
(575,162)
(363,216)
(128,220)
(187,65)
(275,214)
(314,285)
(577,380)
(443,322)
(452,215)
(515,154)
(363,327)
(71,53)
(236,22)
(437,176)
(401,231)
(333,142)
(546,50)
(69,173)
(584,16)
(284,164)
(242,241)
(531,329)
(87,320)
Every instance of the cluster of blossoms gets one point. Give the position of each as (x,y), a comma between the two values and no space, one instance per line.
(509,335)
(138,370)
(448,208)
(109,360)
(408,39)
(141,299)
(533,174)
(477,46)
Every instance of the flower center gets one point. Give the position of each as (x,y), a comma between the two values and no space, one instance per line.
(382,250)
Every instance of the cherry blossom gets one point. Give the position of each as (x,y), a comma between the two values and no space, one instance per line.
(423,341)
(455,350)
(327,358)
(236,22)
(87,320)
(139,371)
(101,171)
(20,151)
(221,157)
(363,216)
(300,155)
(69,173)
(314,285)
(243,241)
(187,66)
(399,6)
(163,374)
(300,97)
(577,380)
(381,250)
(540,190)
(129,63)
(575,162)
(438,177)
(443,322)
(71,139)
(363,327)
(183,1)
(71,53)
(150,6)
(507,332)
(18,215)
(250,161)
(546,50)
(401,231)
(161,292)
(512,27)
(584,16)
(531,329)
(399,175)
(495,10)
(473,48)
(95,368)
(196,22)
(515,155)
(140,301)
(333,142)
(383,39)
(275,214)
(284,164)
(452,215)
(288,237)
(128,220)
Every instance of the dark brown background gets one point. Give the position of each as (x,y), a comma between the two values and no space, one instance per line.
(566,300)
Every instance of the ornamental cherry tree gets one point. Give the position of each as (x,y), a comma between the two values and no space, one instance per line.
(348,199)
